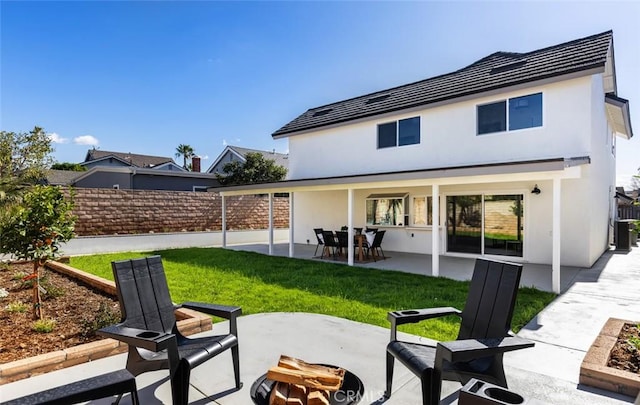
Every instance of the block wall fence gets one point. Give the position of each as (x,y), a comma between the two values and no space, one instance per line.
(111,211)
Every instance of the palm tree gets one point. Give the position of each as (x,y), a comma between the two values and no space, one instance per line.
(186,152)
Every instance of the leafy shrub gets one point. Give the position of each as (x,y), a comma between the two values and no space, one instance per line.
(44,325)
(16,306)
(104,316)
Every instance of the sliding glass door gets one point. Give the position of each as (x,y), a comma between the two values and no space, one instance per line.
(464,223)
(486,224)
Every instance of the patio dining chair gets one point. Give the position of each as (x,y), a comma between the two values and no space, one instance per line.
(149,327)
(376,246)
(483,338)
(330,244)
(343,241)
(319,238)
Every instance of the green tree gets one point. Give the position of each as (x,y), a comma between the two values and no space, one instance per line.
(34,229)
(186,152)
(256,169)
(73,167)
(24,157)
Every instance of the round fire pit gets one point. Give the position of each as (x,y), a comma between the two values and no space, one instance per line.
(350,391)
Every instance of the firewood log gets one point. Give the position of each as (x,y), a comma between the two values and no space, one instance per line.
(317,397)
(279,394)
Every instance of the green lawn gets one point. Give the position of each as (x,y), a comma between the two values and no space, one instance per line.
(260,283)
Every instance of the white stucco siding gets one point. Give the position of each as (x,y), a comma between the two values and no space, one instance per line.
(448,137)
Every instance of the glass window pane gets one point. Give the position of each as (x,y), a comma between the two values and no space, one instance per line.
(503,225)
(525,112)
(429,210)
(419,211)
(387,135)
(385,211)
(409,131)
(492,118)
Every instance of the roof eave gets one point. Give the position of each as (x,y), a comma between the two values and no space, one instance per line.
(586,71)
(621,106)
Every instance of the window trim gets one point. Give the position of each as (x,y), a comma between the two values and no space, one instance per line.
(507,101)
(397,134)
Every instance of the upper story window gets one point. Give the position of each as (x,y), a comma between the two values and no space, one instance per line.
(399,133)
(522,112)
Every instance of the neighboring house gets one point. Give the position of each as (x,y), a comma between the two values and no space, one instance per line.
(236,153)
(494,159)
(97,157)
(133,178)
(134,171)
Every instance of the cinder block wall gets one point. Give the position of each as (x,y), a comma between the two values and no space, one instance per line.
(109,211)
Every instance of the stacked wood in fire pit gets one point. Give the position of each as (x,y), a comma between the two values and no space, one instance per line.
(301,383)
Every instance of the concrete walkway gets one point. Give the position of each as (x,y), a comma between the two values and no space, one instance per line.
(548,372)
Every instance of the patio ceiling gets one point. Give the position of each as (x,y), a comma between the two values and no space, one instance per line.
(483,173)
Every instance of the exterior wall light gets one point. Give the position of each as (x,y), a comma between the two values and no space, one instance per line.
(535,190)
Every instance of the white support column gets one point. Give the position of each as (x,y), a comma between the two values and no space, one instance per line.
(435,230)
(350,249)
(555,262)
(270,224)
(291,238)
(224,222)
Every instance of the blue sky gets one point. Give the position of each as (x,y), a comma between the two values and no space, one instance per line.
(145,76)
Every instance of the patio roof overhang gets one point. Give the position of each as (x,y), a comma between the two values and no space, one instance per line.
(529,170)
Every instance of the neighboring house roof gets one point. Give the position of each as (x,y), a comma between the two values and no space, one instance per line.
(62,177)
(498,70)
(281,159)
(131,159)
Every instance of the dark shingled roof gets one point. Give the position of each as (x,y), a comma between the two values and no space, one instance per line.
(62,177)
(131,158)
(498,70)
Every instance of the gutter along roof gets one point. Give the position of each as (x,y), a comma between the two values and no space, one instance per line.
(498,70)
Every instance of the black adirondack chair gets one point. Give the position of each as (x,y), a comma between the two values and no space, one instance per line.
(149,326)
(483,338)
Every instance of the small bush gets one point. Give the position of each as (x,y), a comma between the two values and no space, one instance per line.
(18,275)
(16,306)
(52,291)
(45,325)
(104,316)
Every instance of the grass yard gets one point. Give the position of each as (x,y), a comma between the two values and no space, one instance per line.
(260,283)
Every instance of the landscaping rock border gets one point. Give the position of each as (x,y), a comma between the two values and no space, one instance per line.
(594,371)
(189,323)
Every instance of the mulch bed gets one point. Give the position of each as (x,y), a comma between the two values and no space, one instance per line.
(625,354)
(73,306)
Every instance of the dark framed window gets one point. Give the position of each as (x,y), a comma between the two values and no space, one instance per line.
(492,118)
(399,133)
(387,134)
(523,112)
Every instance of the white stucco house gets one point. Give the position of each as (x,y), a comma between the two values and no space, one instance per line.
(494,159)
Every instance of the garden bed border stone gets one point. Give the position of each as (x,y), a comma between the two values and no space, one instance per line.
(594,371)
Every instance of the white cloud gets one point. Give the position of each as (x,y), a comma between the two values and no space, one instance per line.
(205,157)
(55,138)
(86,140)
(224,142)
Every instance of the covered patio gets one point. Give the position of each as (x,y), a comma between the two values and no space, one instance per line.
(458,268)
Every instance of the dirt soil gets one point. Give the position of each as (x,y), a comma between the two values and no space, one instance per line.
(625,355)
(73,306)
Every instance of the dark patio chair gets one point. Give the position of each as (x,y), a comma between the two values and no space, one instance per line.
(343,241)
(376,246)
(319,238)
(330,244)
(149,326)
(483,338)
